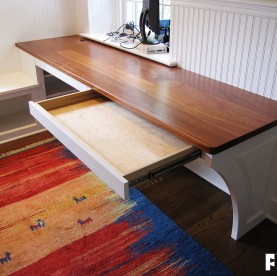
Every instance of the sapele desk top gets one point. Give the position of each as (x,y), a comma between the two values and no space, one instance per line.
(206,113)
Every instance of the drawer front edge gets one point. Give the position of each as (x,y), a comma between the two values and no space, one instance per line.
(91,159)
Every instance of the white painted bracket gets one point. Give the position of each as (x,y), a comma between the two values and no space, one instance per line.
(250,172)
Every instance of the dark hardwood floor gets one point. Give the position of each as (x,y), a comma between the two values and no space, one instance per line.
(205,213)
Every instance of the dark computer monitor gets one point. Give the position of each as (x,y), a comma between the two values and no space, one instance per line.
(150,17)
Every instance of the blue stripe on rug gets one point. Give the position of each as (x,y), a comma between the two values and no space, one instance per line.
(164,233)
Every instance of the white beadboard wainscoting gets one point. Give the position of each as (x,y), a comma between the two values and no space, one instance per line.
(231,41)
(104,15)
(22,20)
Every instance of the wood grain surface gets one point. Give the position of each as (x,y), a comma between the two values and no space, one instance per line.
(205,113)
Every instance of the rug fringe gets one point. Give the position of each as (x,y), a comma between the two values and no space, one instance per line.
(30,146)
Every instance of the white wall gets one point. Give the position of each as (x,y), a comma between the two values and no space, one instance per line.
(82,17)
(22,20)
(105,15)
(231,41)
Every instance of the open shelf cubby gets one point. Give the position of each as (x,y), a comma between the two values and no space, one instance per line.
(55,87)
(14,114)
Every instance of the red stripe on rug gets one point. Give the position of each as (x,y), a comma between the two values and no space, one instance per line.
(96,251)
(33,171)
(103,251)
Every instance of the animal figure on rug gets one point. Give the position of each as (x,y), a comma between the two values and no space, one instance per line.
(40,224)
(83,222)
(78,200)
(6,258)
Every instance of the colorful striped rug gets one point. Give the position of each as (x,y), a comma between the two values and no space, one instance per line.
(58,218)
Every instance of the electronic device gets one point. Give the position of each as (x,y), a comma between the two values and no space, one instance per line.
(153,49)
(150,17)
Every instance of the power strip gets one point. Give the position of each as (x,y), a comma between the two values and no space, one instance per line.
(152,49)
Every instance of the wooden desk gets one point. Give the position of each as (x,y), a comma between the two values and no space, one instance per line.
(236,130)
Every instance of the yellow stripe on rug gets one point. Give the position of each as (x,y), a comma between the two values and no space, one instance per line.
(100,207)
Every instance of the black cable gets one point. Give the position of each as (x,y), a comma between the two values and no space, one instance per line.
(129,26)
(131,23)
(121,45)
(134,38)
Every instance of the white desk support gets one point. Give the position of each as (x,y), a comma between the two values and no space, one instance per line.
(250,173)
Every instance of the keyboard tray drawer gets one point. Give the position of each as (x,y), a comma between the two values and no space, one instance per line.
(119,146)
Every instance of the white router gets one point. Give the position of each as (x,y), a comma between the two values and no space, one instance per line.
(152,49)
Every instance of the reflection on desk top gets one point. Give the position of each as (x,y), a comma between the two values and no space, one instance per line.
(210,115)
